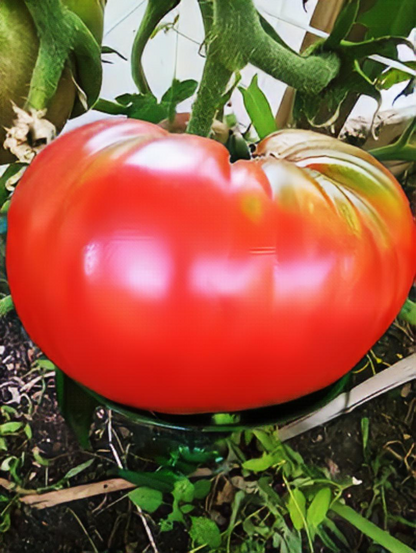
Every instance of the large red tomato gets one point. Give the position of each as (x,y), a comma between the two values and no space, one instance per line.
(153,271)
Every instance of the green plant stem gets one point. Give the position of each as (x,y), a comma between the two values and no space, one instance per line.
(372,531)
(408,312)
(395,153)
(215,79)
(237,38)
(399,150)
(207,12)
(60,32)
(155,12)
(6,305)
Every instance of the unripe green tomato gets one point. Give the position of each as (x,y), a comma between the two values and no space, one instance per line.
(19,46)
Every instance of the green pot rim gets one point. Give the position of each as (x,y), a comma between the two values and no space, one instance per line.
(228,422)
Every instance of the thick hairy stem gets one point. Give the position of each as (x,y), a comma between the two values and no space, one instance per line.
(242,40)
(213,85)
(237,38)
(155,12)
(55,39)
(207,12)
(60,32)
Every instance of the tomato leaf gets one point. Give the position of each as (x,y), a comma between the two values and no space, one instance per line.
(296,506)
(146,106)
(390,17)
(318,509)
(258,108)
(395,76)
(109,50)
(184,491)
(177,93)
(266,461)
(9,173)
(10,428)
(143,106)
(147,499)
(5,523)
(204,531)
(78,469)
(202,489)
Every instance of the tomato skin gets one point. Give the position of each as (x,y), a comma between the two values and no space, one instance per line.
(154,272)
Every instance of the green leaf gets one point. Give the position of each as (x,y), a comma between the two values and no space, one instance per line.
(76,470)
(28,431)
(296,506)
(258,109)
(5,523)
(285,539)
(10,428)
(3,444)
(266,461)
(146,108)
(187,508)
(333,528)
(365,430)
(202,488)
(394,76)
(162,480)
(45,364)
(343,24)
(147,499)
(10,172)
(12,464)
(327,541)
(390,17)
(268,439)
(318,509)
(205,532)
(109,50)
(77,407)
(372,531)
(184,491)
(39,459)
(177,93)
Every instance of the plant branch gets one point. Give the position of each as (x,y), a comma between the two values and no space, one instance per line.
(155,12)
(399,150)
(237,38)
(60,32)
(112,108)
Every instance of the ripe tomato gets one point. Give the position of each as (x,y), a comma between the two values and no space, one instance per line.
(153,271)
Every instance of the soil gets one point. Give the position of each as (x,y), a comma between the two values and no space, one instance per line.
(110,524)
